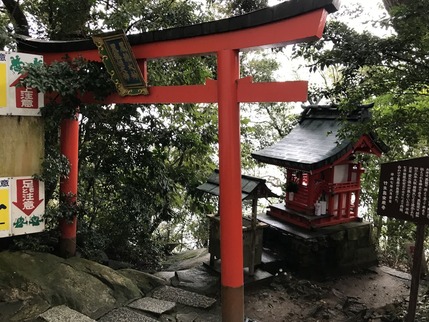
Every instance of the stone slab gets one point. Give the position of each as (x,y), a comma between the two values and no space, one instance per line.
(208,318)
(125,315)
(393,272)
(186,260)
(198,279)
(165,275)
(178,295)
(63,313)
(151,305)
(188,317)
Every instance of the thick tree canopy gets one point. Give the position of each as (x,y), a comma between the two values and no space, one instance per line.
(392,69)
(390,4)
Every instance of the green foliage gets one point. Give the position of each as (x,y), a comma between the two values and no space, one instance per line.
(373,66)
(262,124)
(46,241)
(143,16)
(239,7)
(60,19)
(138,168)
(69,80)
(69,19)
(5,38)
(181,71)
(137,164)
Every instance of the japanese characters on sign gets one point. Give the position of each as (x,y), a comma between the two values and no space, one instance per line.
(127,71)
(22,206)
(3,82)
(15,99)
(28,206)
(4,207)
(404,190)
(121,64)
(26,98)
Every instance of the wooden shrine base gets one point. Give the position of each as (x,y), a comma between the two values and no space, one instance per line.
(320,252)
(281,212)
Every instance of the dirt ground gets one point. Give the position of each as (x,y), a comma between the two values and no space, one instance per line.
(378,294)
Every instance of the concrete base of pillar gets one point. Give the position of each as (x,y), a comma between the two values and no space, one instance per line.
(67,247)
(232,303)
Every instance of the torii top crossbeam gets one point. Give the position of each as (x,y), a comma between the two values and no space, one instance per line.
(289,22)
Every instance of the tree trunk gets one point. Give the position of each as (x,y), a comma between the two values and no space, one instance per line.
(17,17)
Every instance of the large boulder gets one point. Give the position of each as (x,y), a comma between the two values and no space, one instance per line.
(145,282)
(30,283)
(186,270)
(186,260)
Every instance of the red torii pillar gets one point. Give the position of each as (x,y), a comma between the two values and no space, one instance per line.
(228,91)
(230,204)
(69,144)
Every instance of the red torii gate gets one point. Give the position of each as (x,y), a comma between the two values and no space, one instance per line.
(289,22)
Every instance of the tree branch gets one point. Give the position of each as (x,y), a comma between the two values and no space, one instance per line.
(17,16)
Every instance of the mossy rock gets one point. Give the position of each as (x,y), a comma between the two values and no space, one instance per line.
(32,282)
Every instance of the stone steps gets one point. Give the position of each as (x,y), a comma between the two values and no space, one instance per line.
(161,306)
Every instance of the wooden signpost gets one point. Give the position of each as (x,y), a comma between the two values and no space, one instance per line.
(404,194)
(22,197)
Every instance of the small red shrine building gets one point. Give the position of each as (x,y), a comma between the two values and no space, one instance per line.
(323,176)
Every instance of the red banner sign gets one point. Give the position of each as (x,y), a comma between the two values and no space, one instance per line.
(26,98)
(27,195)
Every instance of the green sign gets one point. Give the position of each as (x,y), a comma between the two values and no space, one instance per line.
(117,56)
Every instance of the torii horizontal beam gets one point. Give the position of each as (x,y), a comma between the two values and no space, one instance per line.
(290,22)
(247,92)
(263,35)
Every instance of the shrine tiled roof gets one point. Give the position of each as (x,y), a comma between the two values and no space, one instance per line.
(251,187)
(314,142)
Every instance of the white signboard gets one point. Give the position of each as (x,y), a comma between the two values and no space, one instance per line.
(27,205)
(22,206)
(18,100)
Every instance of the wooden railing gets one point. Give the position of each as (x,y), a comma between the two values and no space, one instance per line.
(344,187)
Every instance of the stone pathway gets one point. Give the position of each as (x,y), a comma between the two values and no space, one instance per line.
(63,313)
(161,306)
(124,314)
(178,295)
